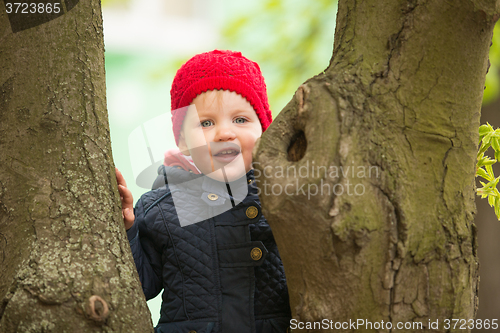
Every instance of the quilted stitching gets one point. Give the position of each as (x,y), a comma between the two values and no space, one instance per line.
(189,266)
(192,257)
(271,293)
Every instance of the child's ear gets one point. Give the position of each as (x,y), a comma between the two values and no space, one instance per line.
(182,145)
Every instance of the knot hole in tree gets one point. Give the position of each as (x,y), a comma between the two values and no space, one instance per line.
(298,143)
(97,308)
(297,147)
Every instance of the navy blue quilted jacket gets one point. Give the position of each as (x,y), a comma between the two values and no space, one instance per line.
(222,274)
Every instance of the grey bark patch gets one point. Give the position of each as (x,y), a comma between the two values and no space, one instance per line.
(5,96)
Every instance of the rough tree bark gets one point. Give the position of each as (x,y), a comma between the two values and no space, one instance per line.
(65,262)
(401,98)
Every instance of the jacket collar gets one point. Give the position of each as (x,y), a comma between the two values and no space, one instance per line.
(221,197)
(187,181)
(176,175)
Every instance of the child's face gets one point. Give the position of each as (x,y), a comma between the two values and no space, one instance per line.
(219,132)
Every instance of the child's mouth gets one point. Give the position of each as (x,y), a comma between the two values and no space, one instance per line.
(226,155)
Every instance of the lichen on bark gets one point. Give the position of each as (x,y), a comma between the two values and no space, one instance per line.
(402,93)
(66,262)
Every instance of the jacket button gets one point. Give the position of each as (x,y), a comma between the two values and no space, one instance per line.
(252,212)
(256,253)
(213,196)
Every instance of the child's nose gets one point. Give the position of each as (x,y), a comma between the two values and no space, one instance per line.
(224,132)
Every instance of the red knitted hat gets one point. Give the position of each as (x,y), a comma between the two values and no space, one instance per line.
(218,70)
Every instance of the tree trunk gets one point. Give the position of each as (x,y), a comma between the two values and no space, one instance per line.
(367,175)
(65,262)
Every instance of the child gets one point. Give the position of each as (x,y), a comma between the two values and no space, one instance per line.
(212,251)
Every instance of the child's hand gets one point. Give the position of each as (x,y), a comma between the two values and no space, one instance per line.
(127,200)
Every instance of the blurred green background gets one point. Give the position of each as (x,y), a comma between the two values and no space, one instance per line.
(147,41)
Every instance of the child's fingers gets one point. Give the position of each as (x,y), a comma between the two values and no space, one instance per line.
(126,199)
(125,196)
(121,190)
(119,178)
(128,214)
(128,218)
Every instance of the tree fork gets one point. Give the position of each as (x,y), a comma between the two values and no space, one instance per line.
(65,262)
(401,98)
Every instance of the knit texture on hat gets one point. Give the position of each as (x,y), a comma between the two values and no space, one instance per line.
(218,70)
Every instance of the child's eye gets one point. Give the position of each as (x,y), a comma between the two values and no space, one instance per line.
(240,120)
(206,123)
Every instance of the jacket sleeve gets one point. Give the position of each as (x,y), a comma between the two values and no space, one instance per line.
(146,250)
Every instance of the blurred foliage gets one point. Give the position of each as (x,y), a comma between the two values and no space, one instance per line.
(492,90)
(169,68)
(291,40)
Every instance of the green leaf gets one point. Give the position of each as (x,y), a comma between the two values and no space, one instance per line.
(497,211)
(489,185)
(488,161)
(482,173)
(484,129)
(487,192)
(489,170)
(487,138)
(495,182)
(495,144)
(484,147)
(492,200)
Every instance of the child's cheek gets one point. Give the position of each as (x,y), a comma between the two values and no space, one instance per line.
(197,137)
